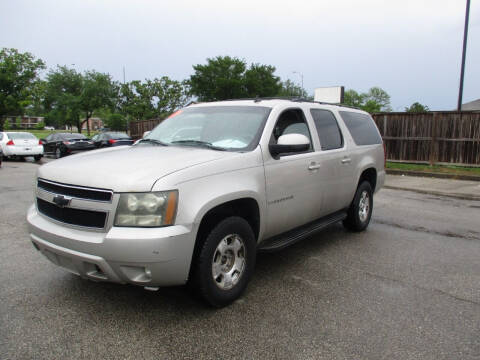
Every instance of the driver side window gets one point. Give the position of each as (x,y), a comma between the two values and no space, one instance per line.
(291,121)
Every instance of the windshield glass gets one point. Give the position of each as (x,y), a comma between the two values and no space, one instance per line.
(228,127)
(21,135)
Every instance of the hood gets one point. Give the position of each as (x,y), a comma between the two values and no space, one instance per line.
(126,168)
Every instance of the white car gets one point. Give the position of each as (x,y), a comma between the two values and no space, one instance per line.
(20,144)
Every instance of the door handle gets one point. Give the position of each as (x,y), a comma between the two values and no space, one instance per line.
(314,166)
(346,161)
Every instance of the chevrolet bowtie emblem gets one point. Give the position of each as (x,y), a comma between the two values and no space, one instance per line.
(61,201)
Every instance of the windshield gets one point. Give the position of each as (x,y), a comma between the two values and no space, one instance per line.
(21,135)
(227,127)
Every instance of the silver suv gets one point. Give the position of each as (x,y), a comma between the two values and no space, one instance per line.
(208,188)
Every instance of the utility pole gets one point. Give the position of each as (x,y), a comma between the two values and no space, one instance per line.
(462,71)
(124,75)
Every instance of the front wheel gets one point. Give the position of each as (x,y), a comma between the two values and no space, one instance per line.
(37,157)
(225,262)
(58,153)
(360,210)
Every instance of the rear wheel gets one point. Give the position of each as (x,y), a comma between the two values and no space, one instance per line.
(360,210)
(225,262)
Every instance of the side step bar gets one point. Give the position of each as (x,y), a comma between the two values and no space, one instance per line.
(291,237)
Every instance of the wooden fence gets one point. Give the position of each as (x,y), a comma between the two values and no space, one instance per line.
(434,137)
(137,128)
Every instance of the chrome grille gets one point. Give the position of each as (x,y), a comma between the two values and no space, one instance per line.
(73,191)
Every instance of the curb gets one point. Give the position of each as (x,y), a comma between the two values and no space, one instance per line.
(436,193)
(433,175)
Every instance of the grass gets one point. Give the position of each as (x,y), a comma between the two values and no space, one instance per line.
(42,134)
(444,169)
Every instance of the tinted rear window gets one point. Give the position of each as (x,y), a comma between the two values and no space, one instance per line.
(72,136)
(24,135)
(327,129)
(361,126)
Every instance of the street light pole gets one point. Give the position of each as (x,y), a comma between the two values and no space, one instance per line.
(301,76)
(462,71)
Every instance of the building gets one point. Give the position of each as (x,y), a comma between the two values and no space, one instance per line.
(472,105)
(26,122)
(95,124)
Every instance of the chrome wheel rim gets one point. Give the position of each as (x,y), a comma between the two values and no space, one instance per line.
(364,206)
(228,261)
(58,153)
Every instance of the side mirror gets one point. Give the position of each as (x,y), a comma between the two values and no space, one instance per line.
(146,133)
(290,143)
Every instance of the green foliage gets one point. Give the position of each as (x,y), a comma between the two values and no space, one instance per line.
(18,73)
(416,107)
(375,100)
(150,99)
(61,97)
(116,122)
(225,77)
(18,123)
(289,88)
(6,125)
(40,125)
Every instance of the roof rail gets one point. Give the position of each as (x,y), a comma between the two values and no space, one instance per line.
(293,99)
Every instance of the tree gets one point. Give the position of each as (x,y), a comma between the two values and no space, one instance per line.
(116,122)
(221,78)
(260,81)
(289,89)
(97,92)
(62,95)
(375,100)
(18,73)
(416,107)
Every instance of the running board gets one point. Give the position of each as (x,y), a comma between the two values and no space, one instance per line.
(291,237)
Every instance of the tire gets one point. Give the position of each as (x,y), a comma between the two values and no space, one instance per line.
(361,208)
(58,153)
(225,262)
(37,157)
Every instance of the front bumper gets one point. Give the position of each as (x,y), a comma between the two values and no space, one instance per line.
(140,256)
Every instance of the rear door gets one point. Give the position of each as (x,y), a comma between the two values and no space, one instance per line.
(337,171)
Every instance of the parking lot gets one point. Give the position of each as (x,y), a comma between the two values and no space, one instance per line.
(407,288)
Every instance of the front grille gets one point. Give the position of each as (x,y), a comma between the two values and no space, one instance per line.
(75,191)
(88,218)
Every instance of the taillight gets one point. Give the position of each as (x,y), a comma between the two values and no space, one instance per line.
(68,142)
(112,141)
(10,142)
(40,142)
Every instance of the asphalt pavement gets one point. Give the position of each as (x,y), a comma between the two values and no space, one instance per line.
(407,288)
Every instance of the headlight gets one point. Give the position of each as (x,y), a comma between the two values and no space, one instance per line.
(152,209)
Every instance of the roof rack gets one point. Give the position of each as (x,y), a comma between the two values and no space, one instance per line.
(293,99)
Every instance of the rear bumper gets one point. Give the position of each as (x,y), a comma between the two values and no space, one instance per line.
(33,151)
(139,256)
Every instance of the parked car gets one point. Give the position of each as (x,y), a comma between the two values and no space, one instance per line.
(49,128)
(61,144)
(259,176)
(20,145)
(108,139)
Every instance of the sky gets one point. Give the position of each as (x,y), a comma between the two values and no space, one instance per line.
(410,48)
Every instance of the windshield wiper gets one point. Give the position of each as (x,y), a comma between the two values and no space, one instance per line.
(200,143)
(154,141)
